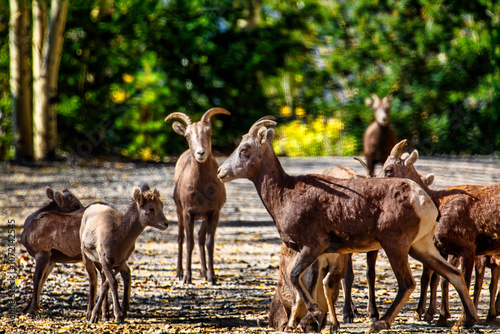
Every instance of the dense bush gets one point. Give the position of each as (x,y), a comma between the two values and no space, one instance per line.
(123,71)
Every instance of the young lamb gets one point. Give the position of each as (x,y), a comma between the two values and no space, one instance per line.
(468,225)
(316,214)
(107,241)
(198,193)
(379,137)
(41,244)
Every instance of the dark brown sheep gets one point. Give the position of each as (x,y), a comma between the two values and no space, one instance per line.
(379,137)
(316,214)
(40,243)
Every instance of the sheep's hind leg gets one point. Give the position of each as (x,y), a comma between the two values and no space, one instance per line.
(305,259)
(425,252)
(398,259)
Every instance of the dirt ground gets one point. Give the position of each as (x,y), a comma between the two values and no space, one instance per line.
(246,256)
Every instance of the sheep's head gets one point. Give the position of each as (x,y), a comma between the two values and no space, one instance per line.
(245,161)
(65,200)
(150,207)
(382,108)
(400,164)
(198,134)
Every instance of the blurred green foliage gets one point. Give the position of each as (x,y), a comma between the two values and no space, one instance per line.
(124,70)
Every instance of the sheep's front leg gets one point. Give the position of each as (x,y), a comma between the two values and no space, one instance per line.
(202,236)
(371,260)
(213,220)
(305,259)
(189,228)
(180,243)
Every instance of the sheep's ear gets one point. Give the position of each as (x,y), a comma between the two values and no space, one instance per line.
(261,135)
(270,135)
(179,128)
(59,198)
(137,196)
(368,102)
(389,98)
(49,192)
(145,187)
(429,179)
(412,158)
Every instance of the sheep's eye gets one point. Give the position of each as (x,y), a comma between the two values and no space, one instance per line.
(389,171)
(151,210)
(244,150)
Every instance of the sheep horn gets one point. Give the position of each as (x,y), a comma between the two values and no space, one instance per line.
(397,150)
(213,111)
(368,175)
(180,115)
(264,121)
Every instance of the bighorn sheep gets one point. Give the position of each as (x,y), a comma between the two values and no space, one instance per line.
(379,137)
(43,246)
(280,309)
(108,239)
(198,193)
(316,214)
(468,225)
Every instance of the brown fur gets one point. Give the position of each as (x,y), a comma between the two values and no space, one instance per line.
(316,214)
(107,241)
(469,222)
(46,246)
(379,138)
(198,194)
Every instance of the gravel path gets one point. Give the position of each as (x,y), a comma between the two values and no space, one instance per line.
(246,256)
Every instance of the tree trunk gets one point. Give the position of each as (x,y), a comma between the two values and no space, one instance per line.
(47,48)
(20,80)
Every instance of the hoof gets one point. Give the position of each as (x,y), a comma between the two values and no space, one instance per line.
(377,326)
(348,320)
(491,319)
(428,317)
(465,322)
(312,321)
(442,322)
(334,328)
(417,315)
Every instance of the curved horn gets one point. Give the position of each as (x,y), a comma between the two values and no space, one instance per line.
(180,115)
(264,121)
(210,112)
(368,175)
(397,150)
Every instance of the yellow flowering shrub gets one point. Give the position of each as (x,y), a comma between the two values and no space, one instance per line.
(314,137)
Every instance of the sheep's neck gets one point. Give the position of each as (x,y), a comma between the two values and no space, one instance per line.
(204,170)
(131,226)
(271,182)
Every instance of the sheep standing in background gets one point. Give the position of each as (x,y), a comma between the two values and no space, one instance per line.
(379,137)
(198,193)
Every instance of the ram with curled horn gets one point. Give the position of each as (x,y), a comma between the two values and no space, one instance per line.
(198,193)
(316,215)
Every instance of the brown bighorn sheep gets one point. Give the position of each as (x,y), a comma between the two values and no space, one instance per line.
(198,193)
(379,137)
(107,241)
(316,214)
(280,309)
(468,225)
(41,245)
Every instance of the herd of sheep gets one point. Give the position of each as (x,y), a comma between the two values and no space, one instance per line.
(321,219)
